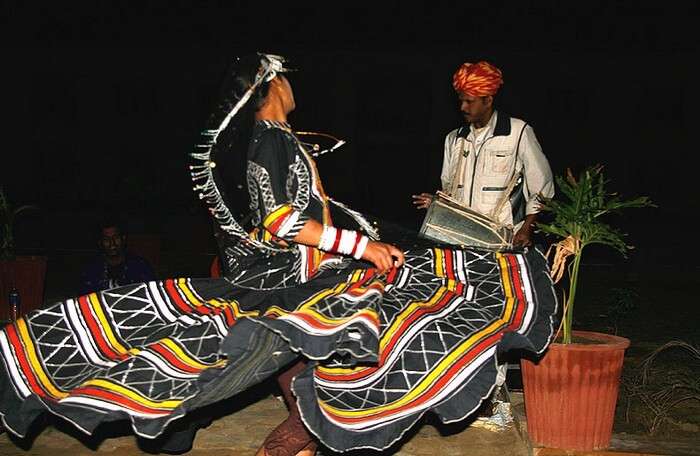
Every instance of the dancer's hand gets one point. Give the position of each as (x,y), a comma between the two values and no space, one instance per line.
(383,256)
(422,200)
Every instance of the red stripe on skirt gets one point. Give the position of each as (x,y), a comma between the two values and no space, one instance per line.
(447,297)
(449,267)
(445,378)
(317,324)
(521,303)
(175,296)
(118,399)
(23,361)
(95,326)
(174,361)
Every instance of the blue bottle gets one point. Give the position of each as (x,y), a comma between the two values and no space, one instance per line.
(15,304)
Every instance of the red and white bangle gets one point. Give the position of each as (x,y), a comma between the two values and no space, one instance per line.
(360,247)
(327,238)
(345,242)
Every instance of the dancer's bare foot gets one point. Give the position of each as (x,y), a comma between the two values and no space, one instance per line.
(289,438)
(308,450)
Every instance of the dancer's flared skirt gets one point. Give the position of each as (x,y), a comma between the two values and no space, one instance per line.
(386,348)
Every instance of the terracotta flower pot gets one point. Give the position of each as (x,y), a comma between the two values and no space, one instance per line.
(571,393)
(27,274)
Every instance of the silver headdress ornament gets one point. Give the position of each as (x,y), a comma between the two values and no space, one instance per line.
(270,65)
(203,175)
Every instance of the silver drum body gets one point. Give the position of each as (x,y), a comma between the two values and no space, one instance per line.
(448,222)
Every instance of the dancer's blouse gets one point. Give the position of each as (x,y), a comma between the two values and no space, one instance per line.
(285,190)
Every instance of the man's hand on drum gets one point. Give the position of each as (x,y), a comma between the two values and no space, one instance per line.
(523,238)
(383,256)
(422,201)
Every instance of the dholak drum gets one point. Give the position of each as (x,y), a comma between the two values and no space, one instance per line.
(449,222)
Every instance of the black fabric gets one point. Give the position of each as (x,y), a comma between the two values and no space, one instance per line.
(502,127)
(517,195)
(273,151)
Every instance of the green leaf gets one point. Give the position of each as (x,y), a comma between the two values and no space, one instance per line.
(578,211)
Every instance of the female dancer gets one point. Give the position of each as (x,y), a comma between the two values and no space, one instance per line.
(364,338)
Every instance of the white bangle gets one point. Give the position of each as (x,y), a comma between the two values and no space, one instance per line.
(348,239)
(327,239)
(361,247)
(348,242)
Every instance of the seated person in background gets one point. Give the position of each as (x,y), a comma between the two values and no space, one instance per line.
(114,266)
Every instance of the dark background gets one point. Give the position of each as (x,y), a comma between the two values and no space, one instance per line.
(103,101)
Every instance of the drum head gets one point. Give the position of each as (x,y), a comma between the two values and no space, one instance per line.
(448,222)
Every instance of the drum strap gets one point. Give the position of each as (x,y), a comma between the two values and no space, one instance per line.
(458,179)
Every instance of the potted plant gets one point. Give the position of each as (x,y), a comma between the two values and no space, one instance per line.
(571,392)
(26,273)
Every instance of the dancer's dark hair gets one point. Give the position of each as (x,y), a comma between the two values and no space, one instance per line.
(225,142)
(239,77)
(231,148)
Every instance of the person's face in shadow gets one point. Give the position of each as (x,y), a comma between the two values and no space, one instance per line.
(476,110)
(112,242)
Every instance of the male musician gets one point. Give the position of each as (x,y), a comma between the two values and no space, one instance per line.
(493,164)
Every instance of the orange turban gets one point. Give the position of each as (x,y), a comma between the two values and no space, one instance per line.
(477,79)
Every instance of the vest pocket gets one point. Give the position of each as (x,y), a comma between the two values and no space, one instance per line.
(491,195)
(501,162)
